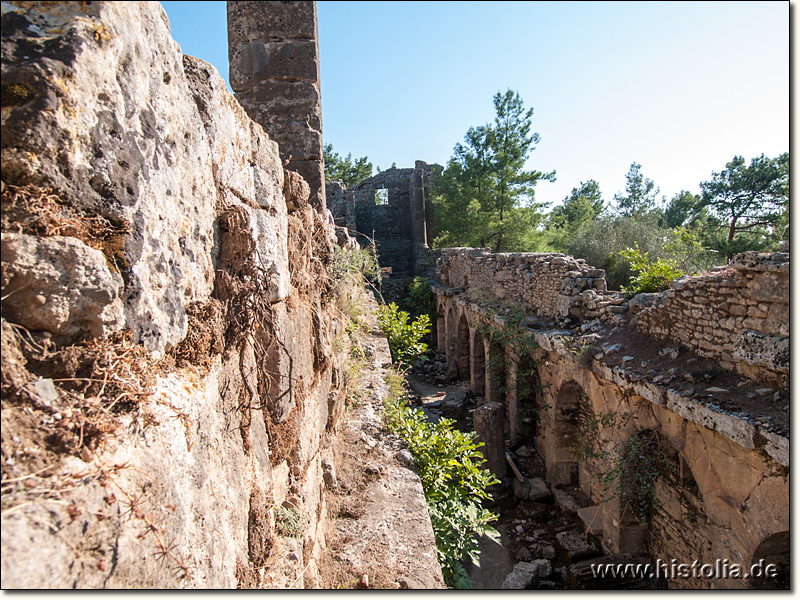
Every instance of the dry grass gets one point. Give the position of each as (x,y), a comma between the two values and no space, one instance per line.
(37,211)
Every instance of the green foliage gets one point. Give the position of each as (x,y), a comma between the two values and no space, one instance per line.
(748,198)
(685,208)
(287,521)
(449,463)
(484,195)
(345,169)
(634,465)
(403,337)
(421,299)
(652,275)
(641,194)
(583,205)
(685,247)
(600,241)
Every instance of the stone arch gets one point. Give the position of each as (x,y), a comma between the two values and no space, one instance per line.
(773,550)
(462,351)
(571,408)
(478,366)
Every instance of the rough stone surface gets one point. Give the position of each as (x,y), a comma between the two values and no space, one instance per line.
(60,285)
(764,350)
(525,576)
(111,128)
(274,67)
(576,546)
(488,420)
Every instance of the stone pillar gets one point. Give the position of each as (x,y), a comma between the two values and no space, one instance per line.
(441,335)
(511,399)
(274,72)
(621,533)
(488,420)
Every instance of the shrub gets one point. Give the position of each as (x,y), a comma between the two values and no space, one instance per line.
(652,276)
(599,242)
(454,483)
(421,298)
(403,337)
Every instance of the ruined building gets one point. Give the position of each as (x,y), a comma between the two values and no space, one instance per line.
(393,209)
(702,368)
(175,342)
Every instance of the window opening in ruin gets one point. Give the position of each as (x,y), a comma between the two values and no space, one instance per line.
(381,197)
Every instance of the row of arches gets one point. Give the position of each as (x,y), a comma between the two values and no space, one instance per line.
(551,420)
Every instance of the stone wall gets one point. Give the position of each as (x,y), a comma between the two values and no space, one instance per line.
(679,364)
(547,285)
(274,71)
(392,208)
(171,381)
(738,315)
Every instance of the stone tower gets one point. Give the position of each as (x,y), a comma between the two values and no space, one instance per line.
(274,71)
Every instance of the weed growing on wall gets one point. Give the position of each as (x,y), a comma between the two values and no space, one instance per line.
(454,483)
(629,469)
(404,336)
(353,266)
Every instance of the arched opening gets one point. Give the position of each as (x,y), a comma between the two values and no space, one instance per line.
(571,409)
(529,400)
(770,564)
(478,370)
(462,348)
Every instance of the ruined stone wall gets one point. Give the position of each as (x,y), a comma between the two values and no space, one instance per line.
(738,315)
(274,71)
(402,227)
(171,378)
(548,285)
(728,494)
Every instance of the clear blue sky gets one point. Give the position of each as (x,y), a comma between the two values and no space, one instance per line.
(679,87)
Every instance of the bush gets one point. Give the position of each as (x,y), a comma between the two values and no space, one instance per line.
(454,483)
(652,276)
(403,337)
(600,242)
(421,298)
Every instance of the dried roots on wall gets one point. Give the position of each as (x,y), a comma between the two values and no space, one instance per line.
(170,382)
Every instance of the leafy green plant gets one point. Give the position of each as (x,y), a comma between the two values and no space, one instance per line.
(403,336)
(652,276)
(449,463)
(629,469)
(421,298)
